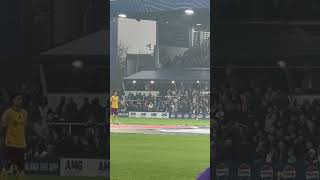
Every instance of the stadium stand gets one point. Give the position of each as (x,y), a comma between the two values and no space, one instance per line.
(181,101)
(265,124)
(71,129)
(52,129)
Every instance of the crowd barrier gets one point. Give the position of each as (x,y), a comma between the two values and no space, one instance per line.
(242,171)
(68,167)
(165,115)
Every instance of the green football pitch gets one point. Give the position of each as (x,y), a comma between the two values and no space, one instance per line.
(159,157)
(139,121)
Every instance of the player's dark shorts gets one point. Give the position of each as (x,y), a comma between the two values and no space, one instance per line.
(15,156)
(114,111)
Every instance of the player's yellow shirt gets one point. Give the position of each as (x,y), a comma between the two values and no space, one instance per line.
(15,123)
(115,102)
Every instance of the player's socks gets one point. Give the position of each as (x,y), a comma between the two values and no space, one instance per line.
(116,119)
(111,119)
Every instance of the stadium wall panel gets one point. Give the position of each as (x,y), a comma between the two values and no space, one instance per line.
(67,167)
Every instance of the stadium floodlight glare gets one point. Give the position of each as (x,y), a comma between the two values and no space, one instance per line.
(152,82)
(189,12)
(198,82)
(122,15)
(134,82)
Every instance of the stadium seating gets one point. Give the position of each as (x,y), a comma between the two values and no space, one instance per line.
(264,125)
(181,101)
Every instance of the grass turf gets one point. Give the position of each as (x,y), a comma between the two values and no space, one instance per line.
(39,177)
(140,121)
(158,157)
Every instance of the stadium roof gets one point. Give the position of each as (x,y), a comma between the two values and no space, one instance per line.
(147,6)
(173,75)
(92,44)
(171,11)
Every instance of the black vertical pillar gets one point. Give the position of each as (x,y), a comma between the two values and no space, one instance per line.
(25,26)
(9,34)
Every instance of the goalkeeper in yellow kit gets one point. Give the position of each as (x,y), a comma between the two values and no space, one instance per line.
(13,126)
(114,107)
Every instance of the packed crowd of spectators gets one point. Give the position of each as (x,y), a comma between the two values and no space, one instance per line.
(265,126)
(85,139)
(197,56)
(180,101)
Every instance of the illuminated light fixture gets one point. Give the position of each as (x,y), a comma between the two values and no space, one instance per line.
(198,24)
(152,82)
(189,12)
(167,22)
(172,82)
(134,82)
(122,15)
(198,82)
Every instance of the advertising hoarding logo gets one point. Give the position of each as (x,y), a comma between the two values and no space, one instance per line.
(102,166)
(186,116)
(123,114)
(289,172)
(133,114)
(312,172)
(172,115)
(244,171)
(73,165)
(266,171)
(45,167)
(222,170)
(83,167)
